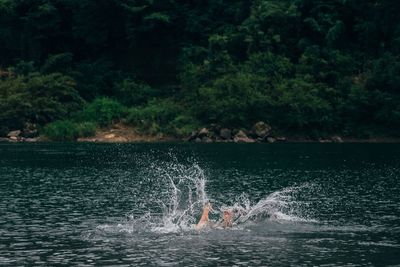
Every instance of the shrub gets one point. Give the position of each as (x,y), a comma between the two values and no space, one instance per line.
(67,130)
(182,125)
(58,63)
(4,131)
(52,97)
(299,105)
(103,111)
(23,67)
(86,129)
(133,93)
(37,98)
(156,116)
(95,78)
(233,99)
(62,131)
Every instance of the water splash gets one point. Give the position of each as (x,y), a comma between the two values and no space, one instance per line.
(280,205)
(186,195)
(183,195)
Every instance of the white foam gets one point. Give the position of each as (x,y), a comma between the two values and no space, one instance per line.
(184,195)
(279,205)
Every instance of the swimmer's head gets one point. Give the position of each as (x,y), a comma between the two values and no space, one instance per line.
(227,218)
(232,212)
(228,212)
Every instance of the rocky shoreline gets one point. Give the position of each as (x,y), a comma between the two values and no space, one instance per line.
(261,132)
(28,134)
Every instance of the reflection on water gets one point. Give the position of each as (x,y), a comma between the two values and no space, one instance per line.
(87,204)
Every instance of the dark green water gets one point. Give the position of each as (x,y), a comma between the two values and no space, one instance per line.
(97,204)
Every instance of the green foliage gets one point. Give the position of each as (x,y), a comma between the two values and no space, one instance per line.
(23,67)
(270,66)
(233,99)
(103,111)
(58,63)
(162,115)
(4,131)
(61,131)
(182,125)
(301,105)
(67,130)
(385,75)
(52,97)
(133,93)
(157,16)
(301,65)
(95,78)
(86,129)
(37,98)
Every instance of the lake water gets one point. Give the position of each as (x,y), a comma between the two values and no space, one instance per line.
(131,205)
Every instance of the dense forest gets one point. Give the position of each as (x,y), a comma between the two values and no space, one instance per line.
(307,67)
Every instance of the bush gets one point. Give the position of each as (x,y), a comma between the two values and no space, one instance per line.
(4,131)
(61,63)
(133,93)
(86,129)
(67,130)
(299,105)
(37,98)
(23,67)
(95,78)
(182,125)
(52,97)
(163,115)
(103,111)
(61,131)
(233,100)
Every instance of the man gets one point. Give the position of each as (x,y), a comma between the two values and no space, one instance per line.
(227,218)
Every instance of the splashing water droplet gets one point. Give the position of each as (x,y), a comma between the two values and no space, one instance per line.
(184,195)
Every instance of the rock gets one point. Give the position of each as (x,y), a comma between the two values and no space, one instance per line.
(281,139)
(203,132)
(29,133)
(225,133)
(14,134)
(241,137)
(198,140)
(215,128)
(271,139)
(2,139)
(234,132)
(13,138)
(337,139)
(109,136)
(241,134)
(261,129)
(192,137)
(30,130)
(243,140)
(30,140)
(324,141)
(206,139)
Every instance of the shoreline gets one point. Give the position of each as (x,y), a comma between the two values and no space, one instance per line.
(123,134)
(157,140)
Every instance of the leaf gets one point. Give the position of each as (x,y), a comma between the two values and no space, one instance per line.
(158,16)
